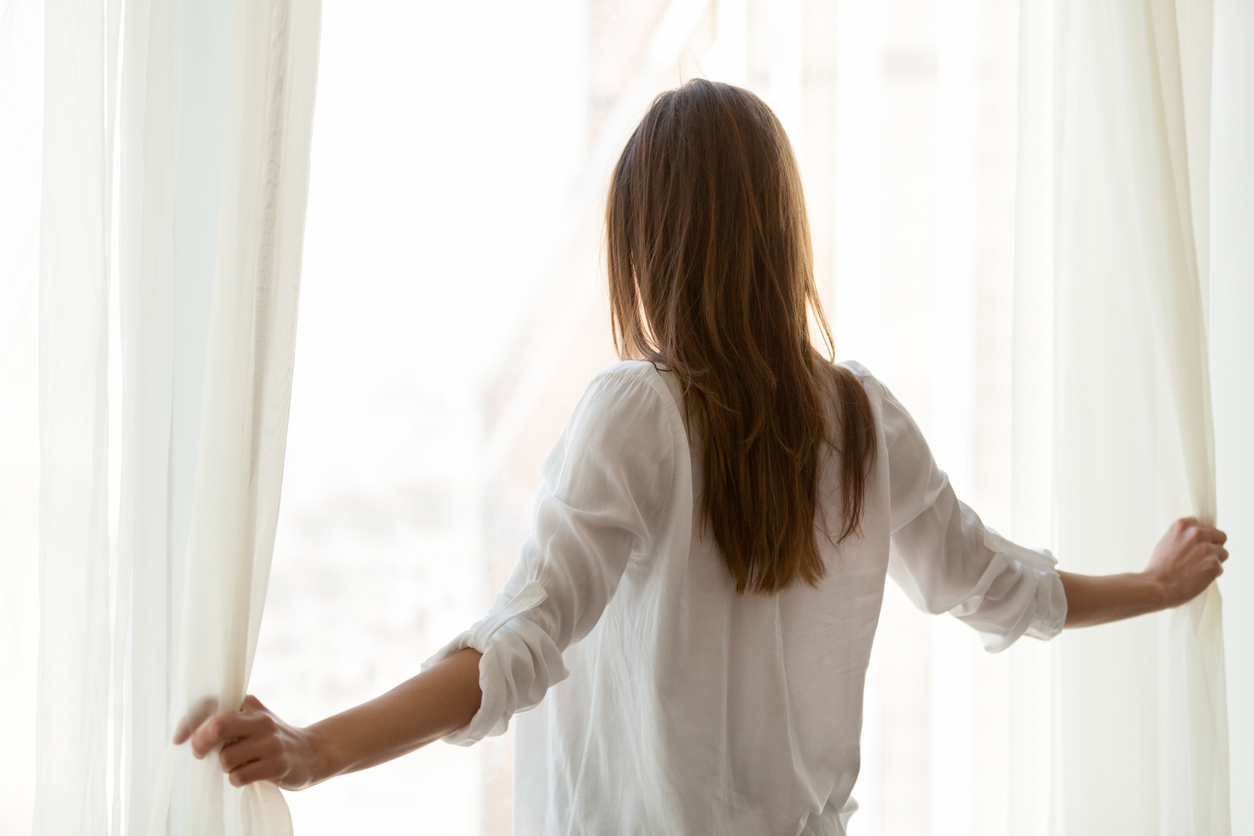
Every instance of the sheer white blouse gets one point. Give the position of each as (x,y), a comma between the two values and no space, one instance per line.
(667,703)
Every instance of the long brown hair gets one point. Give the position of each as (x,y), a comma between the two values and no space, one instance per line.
(711,275)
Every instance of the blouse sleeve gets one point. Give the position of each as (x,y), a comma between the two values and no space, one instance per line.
(947,560)
(605,482)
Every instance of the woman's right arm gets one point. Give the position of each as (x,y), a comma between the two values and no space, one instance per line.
(1187,559)
(258,746)
(606,483)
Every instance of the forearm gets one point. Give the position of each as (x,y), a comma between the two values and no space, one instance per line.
(1099,599)
(1186,560)
(431,705)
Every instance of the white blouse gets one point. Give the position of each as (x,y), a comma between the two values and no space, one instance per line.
(667,703)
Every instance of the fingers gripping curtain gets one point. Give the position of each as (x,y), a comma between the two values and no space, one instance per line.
(214,126)
(1115,108)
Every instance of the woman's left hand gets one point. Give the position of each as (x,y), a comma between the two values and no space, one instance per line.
(256,745)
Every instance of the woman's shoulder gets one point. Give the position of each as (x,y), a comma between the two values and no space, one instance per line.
(637,392)
(638,378)
(627,418)
(630,387)
(860,371)
(874,388)
(626,370)
(878,396)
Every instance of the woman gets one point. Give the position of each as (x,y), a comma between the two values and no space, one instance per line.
(712,539)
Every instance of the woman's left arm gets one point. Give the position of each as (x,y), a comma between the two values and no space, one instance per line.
(258,746)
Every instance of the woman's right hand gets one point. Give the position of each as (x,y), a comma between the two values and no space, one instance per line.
(1186,560)
(255,744)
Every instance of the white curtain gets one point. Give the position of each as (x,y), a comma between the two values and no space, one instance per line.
(1113,393)
(201,223)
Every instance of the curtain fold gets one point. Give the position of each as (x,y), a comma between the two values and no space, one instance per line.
(250,340)
(214,127)
(1116,164)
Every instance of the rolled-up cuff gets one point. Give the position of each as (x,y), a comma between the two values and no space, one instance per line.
(520,662)
(1051,609)
(1044,616)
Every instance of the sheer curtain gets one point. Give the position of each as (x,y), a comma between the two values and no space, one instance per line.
(183,179)
(1113,381)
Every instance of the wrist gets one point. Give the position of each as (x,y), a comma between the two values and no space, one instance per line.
(324,756)
(1159,591)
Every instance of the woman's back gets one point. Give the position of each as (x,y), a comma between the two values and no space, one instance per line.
(690,708)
